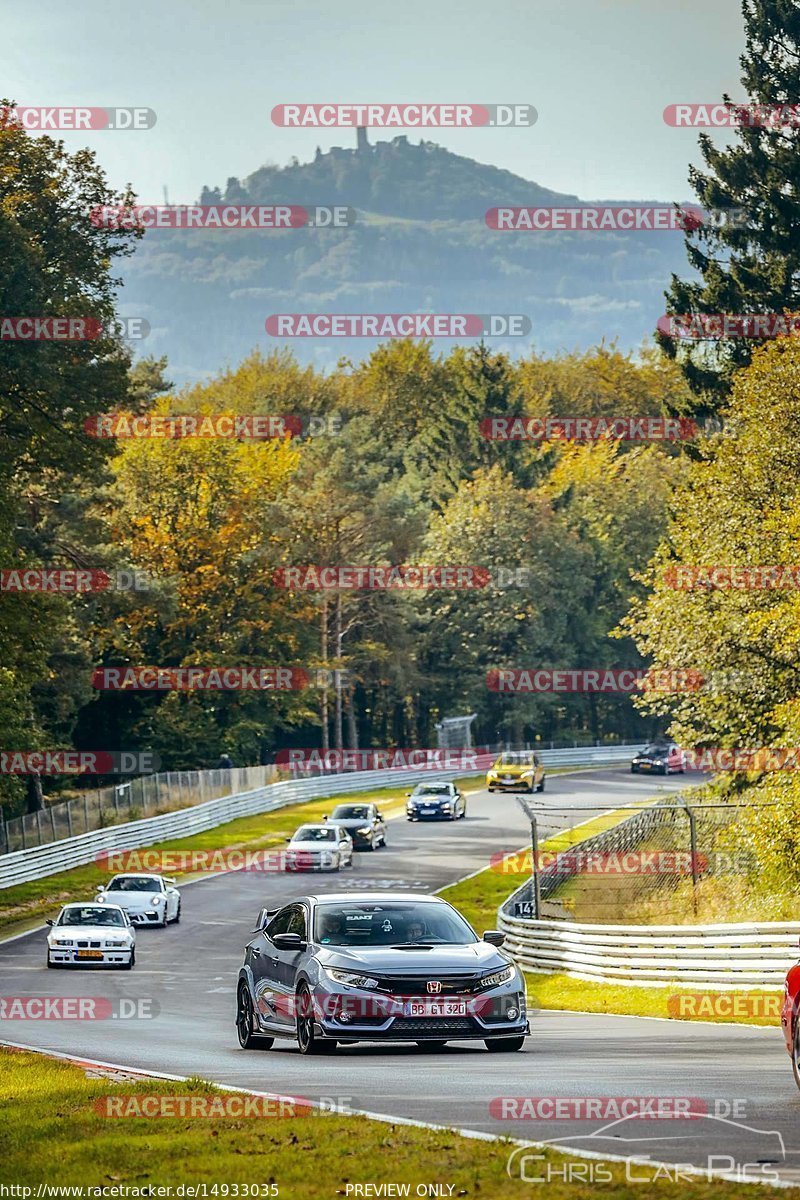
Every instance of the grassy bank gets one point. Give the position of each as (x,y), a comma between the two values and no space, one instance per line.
(52,1133)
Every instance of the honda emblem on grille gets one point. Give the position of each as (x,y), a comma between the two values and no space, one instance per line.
(434,985)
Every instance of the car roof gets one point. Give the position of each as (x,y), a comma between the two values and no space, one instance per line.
(380,897)
(90,904)
(137,875)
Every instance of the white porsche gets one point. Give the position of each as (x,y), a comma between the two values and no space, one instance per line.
(147,899)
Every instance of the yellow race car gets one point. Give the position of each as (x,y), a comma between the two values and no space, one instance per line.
(516,770)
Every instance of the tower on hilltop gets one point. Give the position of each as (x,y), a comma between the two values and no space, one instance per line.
(362,145)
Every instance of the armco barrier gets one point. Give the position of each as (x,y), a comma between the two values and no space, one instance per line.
(753,954)
(22,866)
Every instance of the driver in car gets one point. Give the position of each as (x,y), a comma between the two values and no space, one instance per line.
(415,931)
(332,929)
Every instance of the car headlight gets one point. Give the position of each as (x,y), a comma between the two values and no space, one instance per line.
(60,941)
(351,978)
(157,900)
(498,977)
(101,899)
(491,774)
(365,830)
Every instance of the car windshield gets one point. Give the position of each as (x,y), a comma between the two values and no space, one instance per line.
(315,833)
(96,915)
(134,883)
(352,812)
(433,789)
(390,924)
(655,751)
(515,759)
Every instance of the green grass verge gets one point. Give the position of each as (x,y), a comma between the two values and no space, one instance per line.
(756,1007)
(26,904)
(52,1133)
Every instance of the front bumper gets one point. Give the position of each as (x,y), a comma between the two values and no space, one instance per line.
(67,956)
(511,784)
(147,916)
(438,814)
(307,864)
(485,1017)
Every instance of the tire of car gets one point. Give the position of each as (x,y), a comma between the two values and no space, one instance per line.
(498,1045)
(634,770)
(796,1050)
(428,1047)
(307,1042)
(51,965)
(244,1023)
(128,966)
(540,786)
(178,914)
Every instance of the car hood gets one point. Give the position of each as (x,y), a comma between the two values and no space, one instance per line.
(353,822)
(659,757)
(389,960)
(89,931)
(420,799)
(513,769)
(312,846)
(132,899)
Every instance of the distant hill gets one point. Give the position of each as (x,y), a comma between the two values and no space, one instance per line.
(420,243)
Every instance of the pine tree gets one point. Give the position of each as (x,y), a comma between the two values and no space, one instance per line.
(751,265)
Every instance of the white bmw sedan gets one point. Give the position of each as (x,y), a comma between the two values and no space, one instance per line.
(147,899)
(91,935)
(326,847)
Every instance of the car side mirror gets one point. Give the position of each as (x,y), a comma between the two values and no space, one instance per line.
(170,882)
(493,937)
(408,795)
(288,839)
(49,922)
(379,816)
(289,941)
(101,887)
(262,920)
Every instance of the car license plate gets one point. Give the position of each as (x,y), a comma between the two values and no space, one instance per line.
(645,766)
(90,954)
(435,1008)
(428,808)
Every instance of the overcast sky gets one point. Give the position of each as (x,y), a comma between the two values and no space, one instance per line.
(599,72)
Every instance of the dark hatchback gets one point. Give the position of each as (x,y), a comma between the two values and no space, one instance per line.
(388,967)
(660,758)
(364,823)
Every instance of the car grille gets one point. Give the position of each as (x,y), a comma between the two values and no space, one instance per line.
(88,945)
(433,1025)
(415,985)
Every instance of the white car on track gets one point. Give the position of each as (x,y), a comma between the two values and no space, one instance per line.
(147,899)
(325,847)
(91,935)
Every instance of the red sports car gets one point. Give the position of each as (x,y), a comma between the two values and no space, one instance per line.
(790,1018)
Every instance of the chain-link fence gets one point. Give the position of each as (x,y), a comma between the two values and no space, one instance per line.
(144,796)
(649,868)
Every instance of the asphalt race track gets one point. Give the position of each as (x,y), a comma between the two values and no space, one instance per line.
(187,974)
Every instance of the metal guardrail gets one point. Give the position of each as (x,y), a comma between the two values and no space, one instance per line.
(746,955)
(37,862)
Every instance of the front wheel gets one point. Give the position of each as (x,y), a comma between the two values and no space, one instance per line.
(244,1024)
(497,1045)
(128,966)
(540,787)
(177,918)
(796,1050)
(307,1040)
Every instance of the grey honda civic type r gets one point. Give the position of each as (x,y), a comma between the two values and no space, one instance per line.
(381,967)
